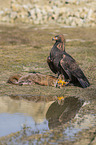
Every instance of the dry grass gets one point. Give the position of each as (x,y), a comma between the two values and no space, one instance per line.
(24,49)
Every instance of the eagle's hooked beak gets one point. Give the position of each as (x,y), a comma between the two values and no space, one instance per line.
(54,38)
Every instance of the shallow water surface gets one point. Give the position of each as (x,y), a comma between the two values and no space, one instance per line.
(42,119)
(37,117)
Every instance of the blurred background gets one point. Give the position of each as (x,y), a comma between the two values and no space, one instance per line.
(67,12)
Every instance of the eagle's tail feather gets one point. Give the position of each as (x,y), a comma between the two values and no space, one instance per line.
(83,83)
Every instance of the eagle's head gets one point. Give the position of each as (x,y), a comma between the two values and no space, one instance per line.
(59,38)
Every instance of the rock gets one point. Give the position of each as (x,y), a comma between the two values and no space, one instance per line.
(55,11)
(16,7)
(79,22)
(6,18)
(77,14)
(13,15)
(1,12)
(32,14)
(90,13)
(73,23)
(22,14)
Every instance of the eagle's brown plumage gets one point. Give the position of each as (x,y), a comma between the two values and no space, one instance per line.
(61,62)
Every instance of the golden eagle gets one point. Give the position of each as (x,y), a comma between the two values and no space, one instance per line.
(61,62)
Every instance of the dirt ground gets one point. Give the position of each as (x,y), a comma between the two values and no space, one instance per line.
(24,49)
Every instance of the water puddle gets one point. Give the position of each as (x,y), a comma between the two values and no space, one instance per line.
(15,114)
(36,115)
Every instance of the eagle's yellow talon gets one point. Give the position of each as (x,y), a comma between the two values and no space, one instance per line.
(61,98)
(62,83)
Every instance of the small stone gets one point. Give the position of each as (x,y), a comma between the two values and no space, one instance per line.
(33,14)
(73,23)
(79,22)
(82,15)
(77,14)
(90,13)
(1,12)
(16,7)
(5,18)
(57,11)
(13,15)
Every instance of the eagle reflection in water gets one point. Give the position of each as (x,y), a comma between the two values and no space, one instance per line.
(60,113)
(56,111)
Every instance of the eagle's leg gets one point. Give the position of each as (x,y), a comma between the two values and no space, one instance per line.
(61,77)
(60,100)
(61,81)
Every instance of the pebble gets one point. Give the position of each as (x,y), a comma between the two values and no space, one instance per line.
(57,11)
